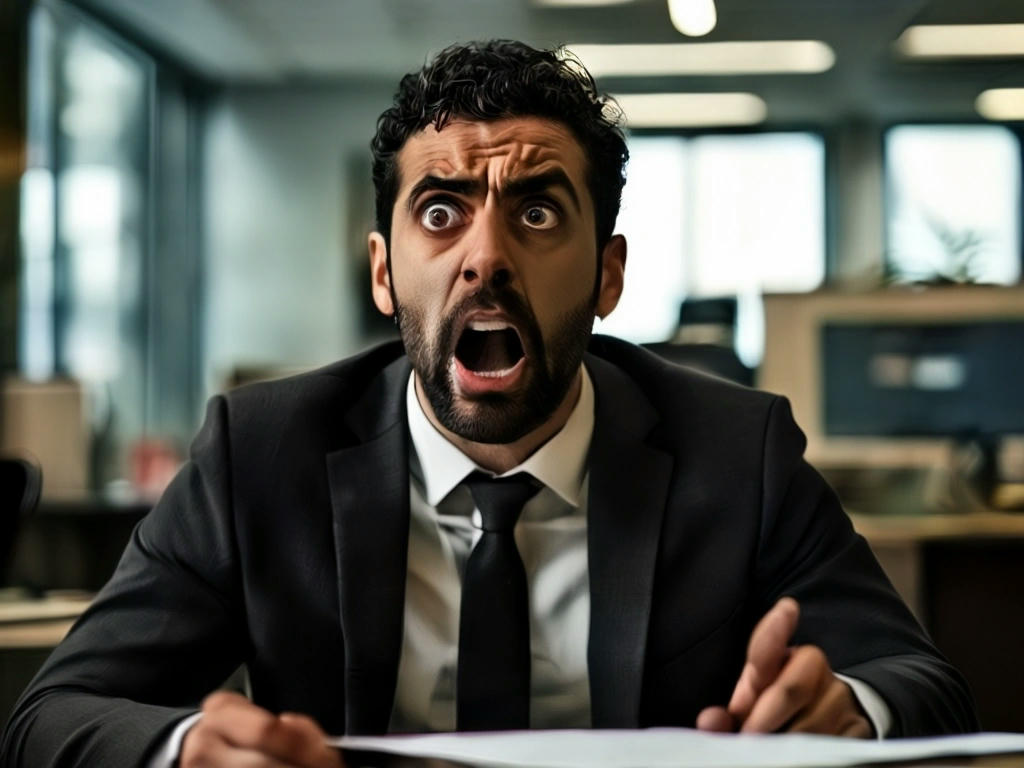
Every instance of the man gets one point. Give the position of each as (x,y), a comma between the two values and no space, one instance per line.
(684,565)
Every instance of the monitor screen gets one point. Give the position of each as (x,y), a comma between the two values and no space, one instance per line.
(923,379)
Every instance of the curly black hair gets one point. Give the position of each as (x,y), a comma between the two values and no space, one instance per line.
(498,79)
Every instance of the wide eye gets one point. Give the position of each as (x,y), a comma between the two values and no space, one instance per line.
(439,216)
(539,216)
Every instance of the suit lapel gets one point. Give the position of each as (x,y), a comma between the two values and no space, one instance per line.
(626,501)
(370,498)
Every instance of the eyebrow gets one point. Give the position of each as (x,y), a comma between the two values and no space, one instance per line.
(531,185)
(455,186)
(521,187)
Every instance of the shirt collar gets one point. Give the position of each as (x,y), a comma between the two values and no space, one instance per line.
(560,463)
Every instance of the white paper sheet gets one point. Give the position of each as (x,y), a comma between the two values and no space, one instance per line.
(672,748)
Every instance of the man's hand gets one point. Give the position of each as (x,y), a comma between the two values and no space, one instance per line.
(235,732)
(784,688)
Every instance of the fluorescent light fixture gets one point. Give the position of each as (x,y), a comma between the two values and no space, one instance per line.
(693,17)
(689,110)
(962,40)
(1001,104)
(729,58)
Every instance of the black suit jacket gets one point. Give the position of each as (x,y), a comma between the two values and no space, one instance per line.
(282,544)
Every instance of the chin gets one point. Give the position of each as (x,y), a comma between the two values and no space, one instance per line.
(494,420)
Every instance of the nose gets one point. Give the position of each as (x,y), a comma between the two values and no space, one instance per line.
(488,260)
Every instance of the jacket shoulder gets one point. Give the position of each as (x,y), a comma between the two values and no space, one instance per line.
(306,403)
(680,393)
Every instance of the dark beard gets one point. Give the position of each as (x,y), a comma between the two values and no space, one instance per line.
(497,417)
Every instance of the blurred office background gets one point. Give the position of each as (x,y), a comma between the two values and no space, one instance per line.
(827,193)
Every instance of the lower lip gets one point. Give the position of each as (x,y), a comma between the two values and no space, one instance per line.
(471,383)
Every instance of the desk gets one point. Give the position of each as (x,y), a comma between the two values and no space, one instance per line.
(897,542)
(38,634)
(902,529)
(963,577)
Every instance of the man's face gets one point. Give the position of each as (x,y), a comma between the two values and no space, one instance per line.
(493,268)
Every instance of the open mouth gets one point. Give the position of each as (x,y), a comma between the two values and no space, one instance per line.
(489,348)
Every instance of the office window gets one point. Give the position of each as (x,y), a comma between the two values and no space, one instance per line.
(719,215)
(109,286)
(954,203)
(653,219)
(85,219)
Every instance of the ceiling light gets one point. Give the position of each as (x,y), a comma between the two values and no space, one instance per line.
(962,40)
(693,17)
(688,110)
(729,58)
(1001,104)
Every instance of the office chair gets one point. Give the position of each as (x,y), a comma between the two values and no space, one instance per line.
(704,339)
(20,484)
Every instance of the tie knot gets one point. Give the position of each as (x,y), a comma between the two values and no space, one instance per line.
(501,499)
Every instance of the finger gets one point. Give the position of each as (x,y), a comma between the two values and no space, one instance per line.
(291,736)
(224,699)
(201,746)
(799,684)
(715,719)
(836,713)
(766,654)
(204,748)
(317,754)
(238,721)
(859,729)
(249,758)
(245,725)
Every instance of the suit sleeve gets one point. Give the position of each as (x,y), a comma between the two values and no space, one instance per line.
(808,549)
(161,634)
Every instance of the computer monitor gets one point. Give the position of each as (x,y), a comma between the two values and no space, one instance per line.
(919,377)
(894,377)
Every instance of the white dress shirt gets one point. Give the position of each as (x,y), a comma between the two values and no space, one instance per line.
(552,538)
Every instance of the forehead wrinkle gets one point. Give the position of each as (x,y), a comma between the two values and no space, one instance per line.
(498,161)
(491,152)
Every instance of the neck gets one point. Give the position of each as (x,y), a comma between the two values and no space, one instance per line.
(501,457)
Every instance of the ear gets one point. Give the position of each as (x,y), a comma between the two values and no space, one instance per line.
(380,278)
(613,270)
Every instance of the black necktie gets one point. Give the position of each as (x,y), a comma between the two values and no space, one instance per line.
(493,687)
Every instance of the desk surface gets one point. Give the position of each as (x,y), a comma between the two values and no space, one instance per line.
(39,623)
(897,529)
(36,634)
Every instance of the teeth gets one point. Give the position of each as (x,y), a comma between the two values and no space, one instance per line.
(494,374)
(487,325)
(483,374)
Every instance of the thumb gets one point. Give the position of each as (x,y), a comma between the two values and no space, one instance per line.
(715,719)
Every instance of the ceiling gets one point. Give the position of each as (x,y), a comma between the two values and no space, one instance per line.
(344,41)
